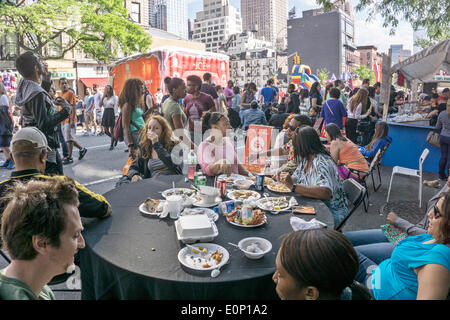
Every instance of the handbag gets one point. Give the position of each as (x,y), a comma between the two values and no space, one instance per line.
(433,139)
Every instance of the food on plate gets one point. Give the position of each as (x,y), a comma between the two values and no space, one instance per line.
(279,187)
(229,179)
(152,205)
(275,204)
(180,192)
(206,265)
(198,249)
(217,256)
(241,194)
(236,217)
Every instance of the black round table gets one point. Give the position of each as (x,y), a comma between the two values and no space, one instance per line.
(118,261)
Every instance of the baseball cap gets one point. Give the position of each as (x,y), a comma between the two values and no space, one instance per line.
(31,134)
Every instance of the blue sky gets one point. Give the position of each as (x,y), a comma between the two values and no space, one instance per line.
(367,33)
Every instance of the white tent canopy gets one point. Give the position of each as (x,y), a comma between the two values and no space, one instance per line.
(425,64)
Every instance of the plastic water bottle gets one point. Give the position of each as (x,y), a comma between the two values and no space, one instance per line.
(192,164)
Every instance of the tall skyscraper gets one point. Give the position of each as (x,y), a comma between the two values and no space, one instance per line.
(268,18)
(216,23)
(325,39)
(169,15)
(398,53)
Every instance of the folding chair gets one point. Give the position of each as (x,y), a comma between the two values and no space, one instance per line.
(362,176)
(411,173)
(355,194)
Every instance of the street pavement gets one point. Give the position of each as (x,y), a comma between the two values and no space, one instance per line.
(100,169)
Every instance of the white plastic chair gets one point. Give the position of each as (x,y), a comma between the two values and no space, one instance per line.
(412,173)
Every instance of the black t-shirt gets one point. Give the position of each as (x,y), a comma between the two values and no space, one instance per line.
(294,105)
(209,89)
(277,120)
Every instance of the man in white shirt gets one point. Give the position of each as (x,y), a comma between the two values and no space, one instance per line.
(98,110)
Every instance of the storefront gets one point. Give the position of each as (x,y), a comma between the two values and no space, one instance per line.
(90,73)
(62,69)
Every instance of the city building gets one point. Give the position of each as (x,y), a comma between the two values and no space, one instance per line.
(325,39)
(169,15)
(138,11)
(368,55)
(242,42)
(216,23)
(257,65)
(190,28)
(251,59)
(268,18)
(399,54)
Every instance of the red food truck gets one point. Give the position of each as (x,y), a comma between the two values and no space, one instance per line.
(154,66)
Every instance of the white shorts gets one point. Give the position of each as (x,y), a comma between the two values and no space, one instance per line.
(68,132)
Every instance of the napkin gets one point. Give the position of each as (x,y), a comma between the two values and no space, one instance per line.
(300,224)
(293,202)
(165,211)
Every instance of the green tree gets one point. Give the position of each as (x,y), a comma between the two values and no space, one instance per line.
(52,28)
(323,75)
(364,73)
(430,15)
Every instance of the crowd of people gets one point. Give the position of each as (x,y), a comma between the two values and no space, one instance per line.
(325,133)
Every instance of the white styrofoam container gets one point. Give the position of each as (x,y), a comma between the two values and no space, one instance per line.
(191,229)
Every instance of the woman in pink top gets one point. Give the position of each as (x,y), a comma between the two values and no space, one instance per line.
(217,153)
(344,153)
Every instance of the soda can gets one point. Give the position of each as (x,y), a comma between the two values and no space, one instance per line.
(222,186)
(259,183)
(201,181)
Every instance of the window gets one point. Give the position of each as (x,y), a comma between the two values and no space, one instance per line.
(135,12)
(99,70)
(215,33)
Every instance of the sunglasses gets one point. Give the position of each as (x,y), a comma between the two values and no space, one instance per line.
(291,128)
(437,212)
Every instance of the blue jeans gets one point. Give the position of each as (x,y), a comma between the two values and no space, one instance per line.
(62,141)
(372,248)
(445,156)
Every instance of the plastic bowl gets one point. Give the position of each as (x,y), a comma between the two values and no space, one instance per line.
(243,184)
(208,194)
(263,244)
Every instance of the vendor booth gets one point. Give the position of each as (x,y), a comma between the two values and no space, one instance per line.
(408,129)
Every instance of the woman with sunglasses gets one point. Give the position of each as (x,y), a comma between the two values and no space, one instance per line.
(285,149)
(217,153)
(419,266)
(316,175)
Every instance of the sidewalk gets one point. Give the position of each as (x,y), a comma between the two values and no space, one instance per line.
(404,201)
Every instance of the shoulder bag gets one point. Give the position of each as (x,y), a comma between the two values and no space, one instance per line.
(433,139)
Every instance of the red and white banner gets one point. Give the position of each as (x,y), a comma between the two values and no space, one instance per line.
(258,141)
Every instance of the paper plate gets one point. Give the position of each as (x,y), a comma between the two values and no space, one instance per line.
(200,203)
(271,188)
(233,194)
(178,191)
(284,206)
(230,178)
(196,261)
(144,210)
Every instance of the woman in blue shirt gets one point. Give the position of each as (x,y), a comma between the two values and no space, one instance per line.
(419,267)
(333,110)
(379,141)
